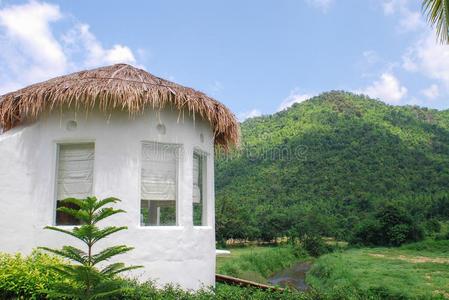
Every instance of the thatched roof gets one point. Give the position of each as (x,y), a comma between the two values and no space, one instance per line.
(118,87)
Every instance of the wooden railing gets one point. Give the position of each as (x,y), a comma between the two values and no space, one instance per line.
(246,283)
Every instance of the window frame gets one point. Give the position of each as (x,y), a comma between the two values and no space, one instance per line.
(179,157)
(205,178)
(55,173)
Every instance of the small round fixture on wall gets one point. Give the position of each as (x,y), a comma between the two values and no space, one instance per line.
(161,129)
(71,125)
(202,138)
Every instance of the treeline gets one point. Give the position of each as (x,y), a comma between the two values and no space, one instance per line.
(386,223)
(330,166)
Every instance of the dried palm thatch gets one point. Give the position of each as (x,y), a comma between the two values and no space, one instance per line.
(116,87)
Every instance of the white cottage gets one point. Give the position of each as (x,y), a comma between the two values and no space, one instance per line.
(116,131)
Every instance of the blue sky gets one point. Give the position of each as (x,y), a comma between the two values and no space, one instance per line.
(257,57)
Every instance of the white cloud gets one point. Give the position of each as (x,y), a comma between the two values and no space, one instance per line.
(429,58)
(294,97)
(431,92)
(248,114)
(386,88)
(408,20)
(28,48)
(323,5)
(96,53)
(411,20)
(31,52)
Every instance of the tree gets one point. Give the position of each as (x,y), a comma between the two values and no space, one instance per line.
(89,282)
(437,14)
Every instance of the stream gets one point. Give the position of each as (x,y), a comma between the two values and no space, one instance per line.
(293,277)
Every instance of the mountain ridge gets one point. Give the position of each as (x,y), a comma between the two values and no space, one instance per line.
(333,149)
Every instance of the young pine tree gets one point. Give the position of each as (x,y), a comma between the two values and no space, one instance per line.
(85,279)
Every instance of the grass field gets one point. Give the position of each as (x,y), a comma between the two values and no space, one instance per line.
(414,271)
(257,263)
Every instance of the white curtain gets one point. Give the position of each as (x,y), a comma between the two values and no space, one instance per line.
(75,171)
(159,172)
(196,178)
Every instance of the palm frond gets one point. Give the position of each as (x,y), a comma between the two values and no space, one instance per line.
(437,14)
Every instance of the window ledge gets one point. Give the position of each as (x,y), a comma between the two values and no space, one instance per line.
(206,227)
(163,228)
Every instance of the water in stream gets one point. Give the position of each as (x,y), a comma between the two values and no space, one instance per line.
(293,277)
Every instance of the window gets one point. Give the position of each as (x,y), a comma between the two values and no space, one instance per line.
(199,189)
(159,178)
(74,176)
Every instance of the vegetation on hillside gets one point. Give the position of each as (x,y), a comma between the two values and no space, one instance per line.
(325,166)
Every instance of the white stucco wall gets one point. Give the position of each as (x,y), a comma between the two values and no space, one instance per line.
(182,254)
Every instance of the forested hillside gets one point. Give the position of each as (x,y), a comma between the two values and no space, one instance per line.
(323,165)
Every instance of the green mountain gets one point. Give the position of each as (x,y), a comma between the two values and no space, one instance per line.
(327,162)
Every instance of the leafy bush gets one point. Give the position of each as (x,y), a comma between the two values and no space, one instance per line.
(27,277)
(314,245)
(432,226)
(389,226)
(147,291)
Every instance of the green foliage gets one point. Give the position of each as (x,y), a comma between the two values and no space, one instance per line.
(331,162)
(437,12)
(384,273)
(87,281)
(314,245)
(389,226)
(146,291)
(257,264)
(31,278)
(27,277)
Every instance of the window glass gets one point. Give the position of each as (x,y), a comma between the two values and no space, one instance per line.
(74,177)
(159,184)
(199,189)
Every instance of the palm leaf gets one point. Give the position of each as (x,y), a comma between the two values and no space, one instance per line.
(437,14)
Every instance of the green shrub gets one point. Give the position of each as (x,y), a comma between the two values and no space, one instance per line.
(27,276)
(391,225)
(147,291)
(432,226)
(315,246)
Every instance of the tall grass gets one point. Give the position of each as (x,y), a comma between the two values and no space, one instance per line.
(258,265)
(384,273)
